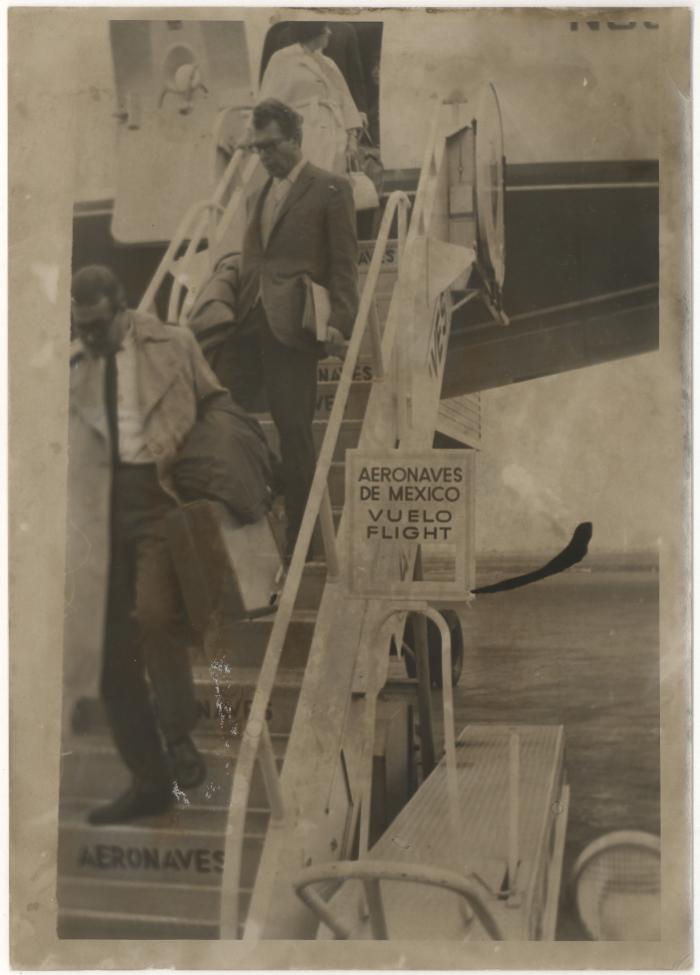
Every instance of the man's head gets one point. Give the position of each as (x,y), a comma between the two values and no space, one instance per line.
(98,303)
(277,136)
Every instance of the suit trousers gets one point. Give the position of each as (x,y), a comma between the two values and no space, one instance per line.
(146,629)
(253,359)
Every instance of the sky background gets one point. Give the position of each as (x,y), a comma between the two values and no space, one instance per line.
(586,445)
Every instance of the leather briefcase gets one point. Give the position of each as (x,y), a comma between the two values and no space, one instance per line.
(227,571)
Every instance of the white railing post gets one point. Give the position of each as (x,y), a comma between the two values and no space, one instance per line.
(204,213)
(513,815)
(166,261)
(402,227)
(268,767)
(328,536)
(376,339)
(448,718)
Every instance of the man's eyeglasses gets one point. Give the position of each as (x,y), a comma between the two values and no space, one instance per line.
(264,144)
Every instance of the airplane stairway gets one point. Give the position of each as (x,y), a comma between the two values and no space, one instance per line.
(161,877)
(288,701)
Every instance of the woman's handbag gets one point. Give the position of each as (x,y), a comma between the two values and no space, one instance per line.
(364,191)
(370,162)
(366,174)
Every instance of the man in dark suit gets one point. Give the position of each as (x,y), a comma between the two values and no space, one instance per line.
(302,224)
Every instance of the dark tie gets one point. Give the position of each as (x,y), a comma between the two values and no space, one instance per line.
(111,404)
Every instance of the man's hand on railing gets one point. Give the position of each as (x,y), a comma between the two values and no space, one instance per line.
(336,343)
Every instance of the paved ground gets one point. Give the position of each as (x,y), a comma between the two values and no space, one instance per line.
(580,650)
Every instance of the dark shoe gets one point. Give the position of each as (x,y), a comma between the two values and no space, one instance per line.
(140,800)
(186,764)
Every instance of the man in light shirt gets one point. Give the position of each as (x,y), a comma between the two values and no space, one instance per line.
(302,226)
(137,387)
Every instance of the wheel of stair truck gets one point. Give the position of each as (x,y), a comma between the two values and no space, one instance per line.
(617,884)
(435,649)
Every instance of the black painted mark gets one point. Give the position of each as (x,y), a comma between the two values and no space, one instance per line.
(574,552)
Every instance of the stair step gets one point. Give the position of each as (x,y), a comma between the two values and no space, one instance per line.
(356,401)
(101,925)
(330,370)
(153,851)
(186,817)
(91,767)
(224,698)
(325,396)
(243,643)
(189,902)
(389,261)
(348,436)
(223,701)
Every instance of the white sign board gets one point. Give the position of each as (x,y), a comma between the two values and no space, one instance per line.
(399,502)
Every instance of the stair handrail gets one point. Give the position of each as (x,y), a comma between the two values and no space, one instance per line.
(397,204)
(372,695)
(370,873)
(432,158)
(197,232)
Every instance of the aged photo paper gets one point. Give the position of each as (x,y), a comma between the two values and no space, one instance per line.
(349,497)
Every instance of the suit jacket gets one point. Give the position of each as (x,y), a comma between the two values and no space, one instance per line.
(314,234)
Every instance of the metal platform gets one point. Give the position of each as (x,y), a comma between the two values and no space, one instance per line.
(423,834)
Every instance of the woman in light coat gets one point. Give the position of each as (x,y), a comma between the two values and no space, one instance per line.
(304,78)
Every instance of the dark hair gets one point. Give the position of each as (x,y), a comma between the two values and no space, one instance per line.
(272,110)
(94,282)
(302,31)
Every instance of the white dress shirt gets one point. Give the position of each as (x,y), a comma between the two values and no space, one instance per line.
(132,442)
(274,199)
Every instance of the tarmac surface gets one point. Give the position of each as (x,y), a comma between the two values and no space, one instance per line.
(581,650)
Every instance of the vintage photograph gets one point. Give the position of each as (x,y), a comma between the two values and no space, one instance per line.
(363,335)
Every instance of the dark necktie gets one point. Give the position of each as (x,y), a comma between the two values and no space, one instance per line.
(111,404)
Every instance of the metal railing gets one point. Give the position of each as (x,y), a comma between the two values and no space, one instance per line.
(255,741)
(207,222)
(373,689)
(370,873)
(200,225)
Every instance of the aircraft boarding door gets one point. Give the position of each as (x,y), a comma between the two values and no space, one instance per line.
(172,79)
